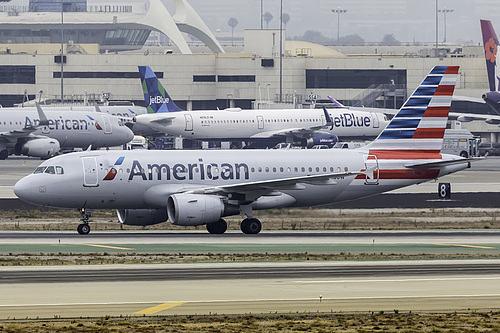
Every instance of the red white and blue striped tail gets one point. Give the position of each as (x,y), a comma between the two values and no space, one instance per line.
(419,125)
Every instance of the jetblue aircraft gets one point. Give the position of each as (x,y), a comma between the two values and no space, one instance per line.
(235,124)
(42,134)
(200,187)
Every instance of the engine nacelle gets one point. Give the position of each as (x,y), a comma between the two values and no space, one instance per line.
(141,216)
(323,139)
(194,209)
(43,147)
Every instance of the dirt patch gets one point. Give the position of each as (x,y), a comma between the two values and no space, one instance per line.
(289,219)
(487,321)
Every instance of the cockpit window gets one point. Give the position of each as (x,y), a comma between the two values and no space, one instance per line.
(40,169)
(51,170)
(59,170)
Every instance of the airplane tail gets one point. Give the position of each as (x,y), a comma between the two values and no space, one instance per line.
(418,128)
(490,42)
(156,97)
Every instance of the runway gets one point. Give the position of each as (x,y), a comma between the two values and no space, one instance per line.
(228,288)
(256,287)
(261,287)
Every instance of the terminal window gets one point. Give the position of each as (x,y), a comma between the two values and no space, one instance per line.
(17,74)
(236,78)
(353,78)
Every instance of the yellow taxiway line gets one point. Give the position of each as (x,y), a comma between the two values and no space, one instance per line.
(159,308)
(463,245)
(106,246)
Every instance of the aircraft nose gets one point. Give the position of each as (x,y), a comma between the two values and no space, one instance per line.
(127,134)
(22,189)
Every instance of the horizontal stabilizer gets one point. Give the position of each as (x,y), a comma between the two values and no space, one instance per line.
(431,165)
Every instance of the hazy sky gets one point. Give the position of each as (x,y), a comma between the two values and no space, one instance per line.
(408,20)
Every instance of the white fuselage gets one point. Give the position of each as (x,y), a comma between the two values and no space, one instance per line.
(145,179)
(73,129)
(237,124)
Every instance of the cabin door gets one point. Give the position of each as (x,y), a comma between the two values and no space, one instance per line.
(90,177)
(371,165)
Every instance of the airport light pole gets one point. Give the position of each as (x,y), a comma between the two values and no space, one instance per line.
(62,51)
(445,11)
(437,28)
(338,11)
(281,51)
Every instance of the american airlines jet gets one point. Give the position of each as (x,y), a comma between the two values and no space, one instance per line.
(200,187)
(251,125)
(38,133)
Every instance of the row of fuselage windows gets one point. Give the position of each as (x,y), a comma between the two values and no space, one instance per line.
(52,170)
(247,121)
(324,169)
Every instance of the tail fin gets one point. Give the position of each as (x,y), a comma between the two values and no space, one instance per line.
(156,97)
(419,125)
(490,42)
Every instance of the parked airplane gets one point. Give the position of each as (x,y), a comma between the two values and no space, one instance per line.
(492,98)
(200,187)
(42,134)
(235,124)
(490,42)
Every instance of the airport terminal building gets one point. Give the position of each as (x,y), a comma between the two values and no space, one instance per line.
(209,76)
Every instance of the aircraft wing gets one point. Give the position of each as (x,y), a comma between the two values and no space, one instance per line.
(289,131)
(160,119)
(466,117)
(468,99)
(13,135)
(252,190)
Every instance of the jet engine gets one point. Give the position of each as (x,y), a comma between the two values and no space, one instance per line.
(322,139)
(141,216)
(42,147)
(197,209)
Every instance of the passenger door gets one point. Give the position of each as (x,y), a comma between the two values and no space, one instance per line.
(260,122)
(108,129)
(189,122)
(90,176)
(371,162)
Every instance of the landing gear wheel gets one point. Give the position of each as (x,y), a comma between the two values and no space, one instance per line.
(218,227)
(251,226)
(4,154)
(83,229)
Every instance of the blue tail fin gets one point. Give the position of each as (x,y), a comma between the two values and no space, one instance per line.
(157,99)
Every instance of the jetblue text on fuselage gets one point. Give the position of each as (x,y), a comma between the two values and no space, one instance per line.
(158,100)
(190,171)
(350,120)
(60,123)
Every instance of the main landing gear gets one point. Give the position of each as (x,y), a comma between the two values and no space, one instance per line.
(248,226)
(218,227)
(84,227)
(251,226)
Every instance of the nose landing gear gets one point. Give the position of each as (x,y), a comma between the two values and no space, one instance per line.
(84,227)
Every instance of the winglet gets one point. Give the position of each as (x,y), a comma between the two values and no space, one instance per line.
(329,121)
(43,118)
(97,108)
(337,103)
